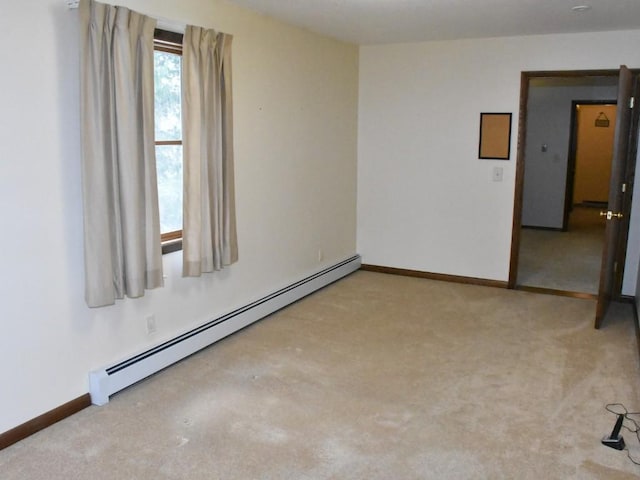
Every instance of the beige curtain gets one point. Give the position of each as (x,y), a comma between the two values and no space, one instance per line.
(209,239)
(121,222)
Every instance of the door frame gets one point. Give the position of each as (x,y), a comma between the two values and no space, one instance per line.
(525,78)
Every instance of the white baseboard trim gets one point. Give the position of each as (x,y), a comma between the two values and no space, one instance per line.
(106,381)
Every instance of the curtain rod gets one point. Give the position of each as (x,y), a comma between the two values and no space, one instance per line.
(163,23)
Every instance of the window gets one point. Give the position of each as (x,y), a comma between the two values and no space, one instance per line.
(121,239)
(168,136)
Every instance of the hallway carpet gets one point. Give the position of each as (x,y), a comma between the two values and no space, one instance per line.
(374,377)
(568,260)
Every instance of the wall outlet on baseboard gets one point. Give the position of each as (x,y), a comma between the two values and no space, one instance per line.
(151,324)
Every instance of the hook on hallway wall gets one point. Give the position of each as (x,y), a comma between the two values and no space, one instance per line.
(602,120)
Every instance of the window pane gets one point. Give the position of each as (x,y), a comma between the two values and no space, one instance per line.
(169,167)
(167,96)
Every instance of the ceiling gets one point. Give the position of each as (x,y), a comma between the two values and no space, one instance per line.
(394,21)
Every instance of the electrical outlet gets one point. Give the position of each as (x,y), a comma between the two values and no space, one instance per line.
(151,324)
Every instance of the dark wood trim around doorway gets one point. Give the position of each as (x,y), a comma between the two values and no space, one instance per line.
(560,293)
(519,188)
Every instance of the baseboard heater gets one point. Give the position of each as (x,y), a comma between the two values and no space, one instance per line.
(107,381)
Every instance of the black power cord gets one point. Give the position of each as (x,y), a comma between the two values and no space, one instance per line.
(624,415)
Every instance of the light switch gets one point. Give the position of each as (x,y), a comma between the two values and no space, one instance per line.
(497,174)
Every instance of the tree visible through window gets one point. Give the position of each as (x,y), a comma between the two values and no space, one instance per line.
(168,132)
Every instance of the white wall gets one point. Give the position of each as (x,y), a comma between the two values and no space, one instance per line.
(295,97)
(425,201)
(549,123)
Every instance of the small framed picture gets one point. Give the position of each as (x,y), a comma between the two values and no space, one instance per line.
(495,136)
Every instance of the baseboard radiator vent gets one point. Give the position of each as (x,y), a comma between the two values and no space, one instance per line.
(107,381)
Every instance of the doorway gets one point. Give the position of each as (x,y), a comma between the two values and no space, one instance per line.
(546,157)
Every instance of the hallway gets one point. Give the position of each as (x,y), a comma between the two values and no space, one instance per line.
(568,261)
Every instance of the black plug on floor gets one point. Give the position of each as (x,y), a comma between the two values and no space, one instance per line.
(615,440)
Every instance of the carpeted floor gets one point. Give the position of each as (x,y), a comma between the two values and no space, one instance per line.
(374,377)
(568,260)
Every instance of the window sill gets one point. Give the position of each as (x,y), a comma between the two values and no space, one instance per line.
(171,246)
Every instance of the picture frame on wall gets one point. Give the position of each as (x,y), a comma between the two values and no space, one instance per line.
(495,136)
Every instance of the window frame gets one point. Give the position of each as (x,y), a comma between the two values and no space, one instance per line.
(169,42)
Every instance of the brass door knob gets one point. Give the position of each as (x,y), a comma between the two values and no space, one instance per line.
(611,215)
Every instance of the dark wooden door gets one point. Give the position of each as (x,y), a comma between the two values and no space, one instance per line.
(617,191)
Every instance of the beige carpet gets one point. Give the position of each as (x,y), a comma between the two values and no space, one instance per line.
(568,260)
(374,377)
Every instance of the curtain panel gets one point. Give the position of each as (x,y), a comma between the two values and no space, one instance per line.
(121,221)
(209,239)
